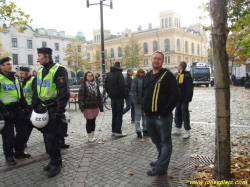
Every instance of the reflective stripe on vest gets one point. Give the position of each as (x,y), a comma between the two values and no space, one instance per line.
(156,93)
(9,91)
(28,91)
(46,88)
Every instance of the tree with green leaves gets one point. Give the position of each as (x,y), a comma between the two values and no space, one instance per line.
(3,53)
(75,56)
(11,15)
(132,53)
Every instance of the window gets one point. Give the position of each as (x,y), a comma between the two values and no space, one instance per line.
(29,44)
(162,22)
(186,47)
(201,70)
(166,22)
(198,49)
(44,44)
(204,51)
(170,22)
(79,48)
(186,59)
(145,62)
(126,35)
(15,59)
(57,59)
(155,46)
(178,59)
(119,52)
(14,42)
(56,46)
(167,45)
(192,48)
(112,51)
(167,59)
(178,44)
(198,60)
(145,47)
(193,59)
(30,59)
(88,56)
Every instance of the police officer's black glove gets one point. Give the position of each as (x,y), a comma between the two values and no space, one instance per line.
(58,115)
(5,114)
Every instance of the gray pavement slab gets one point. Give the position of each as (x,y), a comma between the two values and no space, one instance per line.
(94,164)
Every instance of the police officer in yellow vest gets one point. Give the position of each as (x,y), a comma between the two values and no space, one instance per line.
(12,104)
(53,92)
(28,85)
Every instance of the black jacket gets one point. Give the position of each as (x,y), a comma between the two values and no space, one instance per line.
(168,94)
(128,83)
(115,84)
(186,87)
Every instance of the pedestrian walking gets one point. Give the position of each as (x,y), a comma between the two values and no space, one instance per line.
(160,94)
(129,104)
(115,87)
(186,94)
(90,101)
(136,90)
(12,105)
(53,92)
(28,85)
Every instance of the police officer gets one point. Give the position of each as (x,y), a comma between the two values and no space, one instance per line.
(53,92)
(28,85)
(12,104)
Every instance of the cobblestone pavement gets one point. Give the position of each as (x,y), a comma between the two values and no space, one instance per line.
(94,164)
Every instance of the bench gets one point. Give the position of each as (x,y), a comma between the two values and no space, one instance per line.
(73,99)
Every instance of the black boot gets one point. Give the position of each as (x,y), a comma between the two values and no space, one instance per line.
(139,135)
(47,168)
(10,160)
(22,155)
(145,133)
(54,170)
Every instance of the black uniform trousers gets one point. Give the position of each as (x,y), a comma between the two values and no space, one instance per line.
(10,140)
(182,114)
(52,138)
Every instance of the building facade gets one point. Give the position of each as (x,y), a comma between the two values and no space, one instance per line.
(176,42)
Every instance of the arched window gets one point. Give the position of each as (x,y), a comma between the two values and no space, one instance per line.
(204,51)
(166,22)
(155,46)
(198,49)
(119,52)
(112,51)
(169,59)
(192,48)
(145,46)
(162,23)
(170,22)
(167,45)
(88,56)
(186,47)
(178,45)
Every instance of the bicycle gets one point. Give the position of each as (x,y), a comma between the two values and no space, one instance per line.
(106,100)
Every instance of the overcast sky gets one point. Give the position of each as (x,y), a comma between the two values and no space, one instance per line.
(72,16)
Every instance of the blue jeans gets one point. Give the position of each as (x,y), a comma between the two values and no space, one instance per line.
(129,105)
(138,116)
(182,113)
(160,133)
(117,107)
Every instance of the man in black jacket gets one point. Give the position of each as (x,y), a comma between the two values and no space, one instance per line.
(186,93)
(115,87)
(160,95)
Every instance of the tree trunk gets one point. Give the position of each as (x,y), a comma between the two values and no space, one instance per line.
(222,166)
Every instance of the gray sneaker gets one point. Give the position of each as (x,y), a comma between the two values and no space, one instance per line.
(155,172)
(120,135)
(153,163)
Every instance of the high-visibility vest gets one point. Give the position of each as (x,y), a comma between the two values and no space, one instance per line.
(9,91)
(28,91)
(46,87)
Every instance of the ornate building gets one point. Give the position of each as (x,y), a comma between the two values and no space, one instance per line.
(176,42)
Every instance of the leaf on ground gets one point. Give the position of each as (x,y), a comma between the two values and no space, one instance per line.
(170,175)
(73,131)
(244,135)
(130,173)
(194,156)
(100,129)
(197,148)
(234,144)
(242,144)
(204,134)
(142,140)
(239,141)
(190,111)
(104,140)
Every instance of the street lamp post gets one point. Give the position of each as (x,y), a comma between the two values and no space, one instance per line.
(102,33)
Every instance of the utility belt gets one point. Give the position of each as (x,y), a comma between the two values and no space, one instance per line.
(13,104)
(50,102)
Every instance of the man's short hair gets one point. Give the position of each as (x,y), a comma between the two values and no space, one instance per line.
(183,64)
(117,64)
(27,69)
(129,69)
(159,53)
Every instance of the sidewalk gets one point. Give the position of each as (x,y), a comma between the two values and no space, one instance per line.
(94,164)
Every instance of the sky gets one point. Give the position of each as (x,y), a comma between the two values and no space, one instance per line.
(73,16)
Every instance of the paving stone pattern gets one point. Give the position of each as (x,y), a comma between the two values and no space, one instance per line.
(94,164)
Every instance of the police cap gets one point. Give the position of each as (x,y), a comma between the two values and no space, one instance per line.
(5,59)
(44,50)
(27,69)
